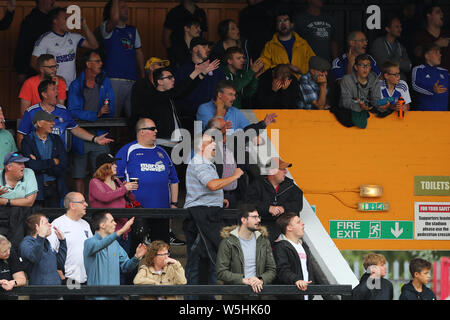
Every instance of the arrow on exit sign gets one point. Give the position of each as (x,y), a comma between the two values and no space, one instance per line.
(371,230)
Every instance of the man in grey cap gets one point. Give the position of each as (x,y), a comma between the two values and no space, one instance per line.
(48,160)
(18,185)
(313,85)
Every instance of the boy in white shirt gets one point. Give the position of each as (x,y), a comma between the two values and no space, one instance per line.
(392,88)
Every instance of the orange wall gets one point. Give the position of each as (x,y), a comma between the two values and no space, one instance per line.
(329,157)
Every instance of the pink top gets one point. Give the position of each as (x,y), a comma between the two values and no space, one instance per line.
(102,196)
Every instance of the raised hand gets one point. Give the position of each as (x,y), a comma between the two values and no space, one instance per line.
(102,140)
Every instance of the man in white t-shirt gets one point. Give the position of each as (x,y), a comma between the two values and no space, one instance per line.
(63,44)
(76,230)
(292,255)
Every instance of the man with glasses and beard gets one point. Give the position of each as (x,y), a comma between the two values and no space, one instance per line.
(48,67)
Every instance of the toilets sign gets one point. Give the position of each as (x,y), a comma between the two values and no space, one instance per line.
(371,230)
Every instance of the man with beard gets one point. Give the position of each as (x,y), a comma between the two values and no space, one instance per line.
(47,71)
(286,43)
(245,255)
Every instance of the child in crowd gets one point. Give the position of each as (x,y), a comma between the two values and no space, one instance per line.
(392,88)
(416,289)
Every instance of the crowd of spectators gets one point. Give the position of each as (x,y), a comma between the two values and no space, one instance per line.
(268,59)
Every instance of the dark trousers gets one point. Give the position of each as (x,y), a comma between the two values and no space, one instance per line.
(52,199)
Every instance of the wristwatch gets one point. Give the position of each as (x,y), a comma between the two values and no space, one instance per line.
(174,203)
(8,203)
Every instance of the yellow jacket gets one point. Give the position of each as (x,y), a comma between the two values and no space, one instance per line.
(274,53)
(172,274)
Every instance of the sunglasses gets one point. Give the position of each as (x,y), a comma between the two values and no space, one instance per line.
(148,128)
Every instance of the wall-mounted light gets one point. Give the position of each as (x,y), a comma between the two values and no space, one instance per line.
(370,191)
(373,206)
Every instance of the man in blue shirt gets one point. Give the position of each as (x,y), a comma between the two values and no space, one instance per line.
(431,82)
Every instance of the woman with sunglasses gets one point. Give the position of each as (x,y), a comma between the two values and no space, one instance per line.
(159,269)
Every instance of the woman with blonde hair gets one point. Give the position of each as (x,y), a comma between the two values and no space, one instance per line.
(159,269)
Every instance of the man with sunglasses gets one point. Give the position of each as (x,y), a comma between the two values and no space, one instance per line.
(48,67)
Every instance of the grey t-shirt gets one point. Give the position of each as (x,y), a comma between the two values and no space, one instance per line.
(249,251)
(91,97)
(318,31)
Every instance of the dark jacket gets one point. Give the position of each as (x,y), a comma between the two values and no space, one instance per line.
(179,54)
(40,166)
(7,20)
(363,292)
(263,195)
(289,267)
(410,293)
(282,99)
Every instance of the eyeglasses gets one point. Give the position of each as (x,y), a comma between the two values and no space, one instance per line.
(51,67)
(148,128)
(394,74)
(364,65)
(168,77)
(82,201)
(256,217)
(163,254)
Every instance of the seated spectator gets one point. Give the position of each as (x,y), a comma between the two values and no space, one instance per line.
(188,105)
(433,33)
(360,92)
(287,47)
(392,88)
(47,92)
(63,44)
(372,285)
(230,37)
(91,98)
(292,255)
(48,160)
(357,45)
(236,262)
(388,47)
(278,89)
(18,184)
(41,261)
(124,61)
(431,82)
(48,67)
(6,140)
(179,52)
(222,105)
(313,85)
(159,269)
(77,230)
(245,80)
(107,191)
(275,194)
(11,267)
(151,65)
(7,19)
(417,288)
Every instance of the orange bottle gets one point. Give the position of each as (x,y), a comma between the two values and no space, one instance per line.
(400,112)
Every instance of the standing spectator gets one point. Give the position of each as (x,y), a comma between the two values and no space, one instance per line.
(432,34)
(314,85)
(29,95)
(372,285)
(104,258)
(9,15)
(6,140)
(392,88)
(48,160)
(48,93)
(245,80)
(18,184)
(256,23)
(158,180)
(107,191)
(41,261)
(278,89)
(275,194)
(63,44)
(357,45)
(91,98)
(222,105)
(36,23)
(179,52)
(175,19)
(124,55)
(245,255)
(11,267)
(292,255)
(188,105)
(286,43)
(318,29)
(230,37)
(159,269)
(388,47)
(430,82)
(77,230)
(417,288)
